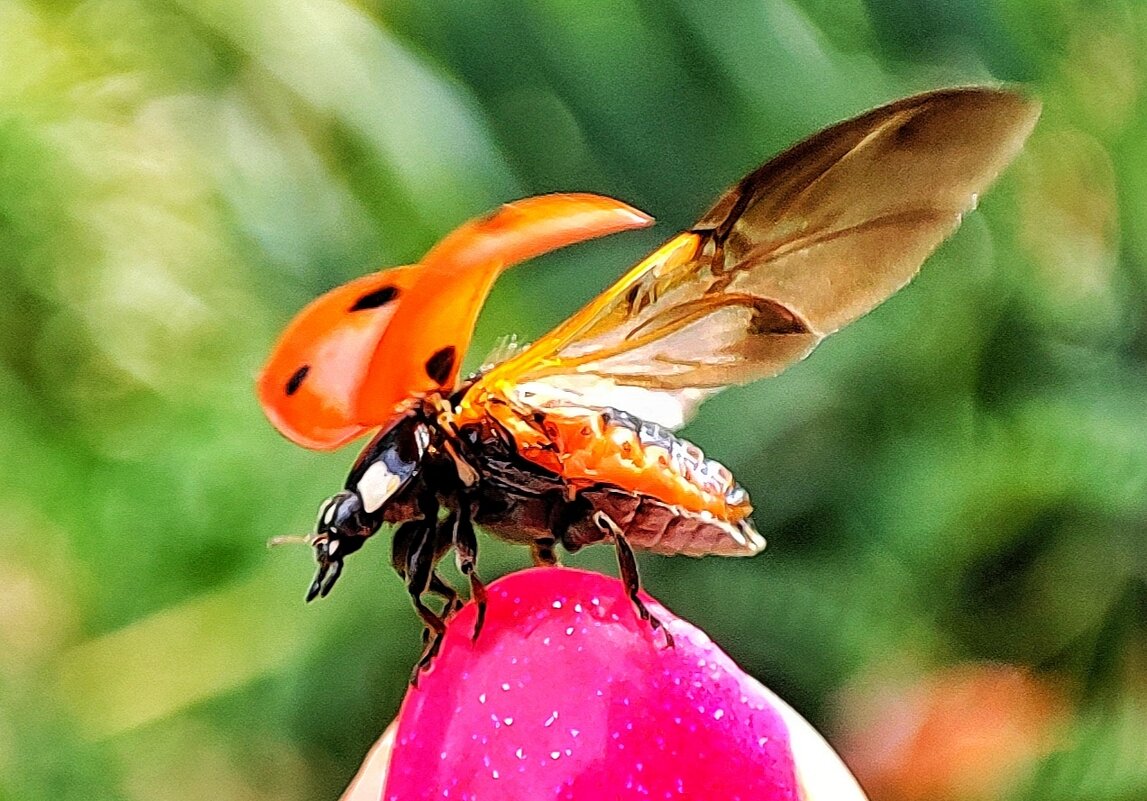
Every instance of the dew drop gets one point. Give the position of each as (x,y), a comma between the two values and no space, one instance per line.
(482,698)
(505,686)
(720,713)
(520,754)
(557,604)
(549,721)
(508,721)
(574,732)
(577,608)
(495,774)
(569,630)
(555,754)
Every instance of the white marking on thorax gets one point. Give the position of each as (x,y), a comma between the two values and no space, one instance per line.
(376,486)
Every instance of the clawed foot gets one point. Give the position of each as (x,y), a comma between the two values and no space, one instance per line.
(432,637)
(433,641)
(655,624)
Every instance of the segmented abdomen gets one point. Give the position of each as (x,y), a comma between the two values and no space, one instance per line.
(661,490)
(658,527)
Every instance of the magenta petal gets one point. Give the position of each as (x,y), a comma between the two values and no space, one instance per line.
(567,695)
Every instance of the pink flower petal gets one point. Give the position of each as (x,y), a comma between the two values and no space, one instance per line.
(567,695)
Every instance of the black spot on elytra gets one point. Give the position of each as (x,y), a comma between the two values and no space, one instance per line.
(441,364)
(296,379)
(372,300)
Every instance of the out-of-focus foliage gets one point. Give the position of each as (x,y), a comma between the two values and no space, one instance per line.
(959,477)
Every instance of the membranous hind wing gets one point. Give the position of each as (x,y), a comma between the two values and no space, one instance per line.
(802,246)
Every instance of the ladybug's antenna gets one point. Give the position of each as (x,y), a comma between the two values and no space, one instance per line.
(291,539)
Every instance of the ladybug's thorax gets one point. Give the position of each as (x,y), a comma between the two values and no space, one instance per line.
(391,462)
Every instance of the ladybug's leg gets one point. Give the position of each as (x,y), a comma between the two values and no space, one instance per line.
(627,565)
(419,568)
(399,553)
(451,602)
(420,558)
(400,544)
(544,553)
(562,514)
(466,554)
(444,538)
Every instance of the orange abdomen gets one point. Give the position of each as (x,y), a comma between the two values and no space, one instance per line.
(588,447)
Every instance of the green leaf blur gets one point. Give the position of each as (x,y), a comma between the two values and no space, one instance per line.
(958,478)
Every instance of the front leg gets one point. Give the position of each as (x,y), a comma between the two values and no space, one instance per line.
(400,546)
(419,568)
(420,544)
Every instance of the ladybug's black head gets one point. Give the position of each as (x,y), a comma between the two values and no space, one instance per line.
(342,529)
(386,467)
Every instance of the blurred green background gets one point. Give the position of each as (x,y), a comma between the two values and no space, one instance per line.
(958,479)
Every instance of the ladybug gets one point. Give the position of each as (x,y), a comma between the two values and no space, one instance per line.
(570,441)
